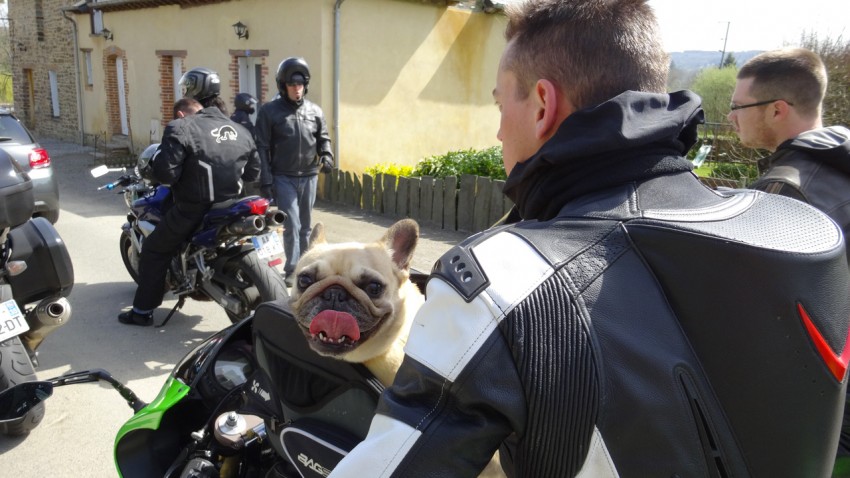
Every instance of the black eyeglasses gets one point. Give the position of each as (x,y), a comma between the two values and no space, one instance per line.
(734,107)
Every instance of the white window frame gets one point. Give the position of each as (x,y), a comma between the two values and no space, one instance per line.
(54,92)
(97,21)
(177,70)
(89,78)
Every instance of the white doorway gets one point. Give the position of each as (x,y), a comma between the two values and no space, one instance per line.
(251,79)
(122,100)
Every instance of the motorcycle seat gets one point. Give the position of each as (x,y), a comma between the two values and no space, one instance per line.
(308,385)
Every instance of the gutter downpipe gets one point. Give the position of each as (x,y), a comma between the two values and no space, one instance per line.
(337,22)
(77,72)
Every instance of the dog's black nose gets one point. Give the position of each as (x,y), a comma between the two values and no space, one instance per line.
(335,294)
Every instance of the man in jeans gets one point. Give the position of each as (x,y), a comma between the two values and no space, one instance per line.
(294,146)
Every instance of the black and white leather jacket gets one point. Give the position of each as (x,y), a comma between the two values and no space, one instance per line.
(635,323)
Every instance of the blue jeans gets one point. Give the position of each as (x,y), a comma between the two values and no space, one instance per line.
(295,196)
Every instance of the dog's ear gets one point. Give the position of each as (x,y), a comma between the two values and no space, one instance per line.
(401,238)
(317,236)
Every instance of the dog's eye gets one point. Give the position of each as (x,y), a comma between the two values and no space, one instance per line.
(304,281)
(374,289)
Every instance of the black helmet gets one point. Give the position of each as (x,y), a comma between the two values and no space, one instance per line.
(201,84)
(287,71)
(144,165)
(245,102)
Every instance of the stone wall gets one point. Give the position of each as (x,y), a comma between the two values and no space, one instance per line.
(42,40)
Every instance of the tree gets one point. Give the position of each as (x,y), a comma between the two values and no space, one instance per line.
(730,61)
(835,54)
(715,87)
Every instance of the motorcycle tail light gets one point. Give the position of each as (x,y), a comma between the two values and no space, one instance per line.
(258,206)
(39,158)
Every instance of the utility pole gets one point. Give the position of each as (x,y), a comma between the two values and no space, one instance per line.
(723,52)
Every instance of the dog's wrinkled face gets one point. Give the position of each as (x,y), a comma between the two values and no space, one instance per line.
(349,299)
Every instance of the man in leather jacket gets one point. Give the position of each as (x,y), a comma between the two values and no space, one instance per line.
(294,146)
(777,105)
(204,157)
(634,322)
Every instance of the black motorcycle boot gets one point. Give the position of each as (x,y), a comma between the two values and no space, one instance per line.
(132,317)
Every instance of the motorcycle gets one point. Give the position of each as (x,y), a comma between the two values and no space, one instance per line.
(36,276)
(252,400)
(222,261)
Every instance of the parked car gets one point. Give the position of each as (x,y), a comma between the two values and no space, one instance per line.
(16,140)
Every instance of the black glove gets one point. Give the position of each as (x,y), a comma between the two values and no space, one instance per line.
(267,191)
(327,164)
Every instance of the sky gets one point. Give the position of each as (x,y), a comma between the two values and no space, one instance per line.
(753,24)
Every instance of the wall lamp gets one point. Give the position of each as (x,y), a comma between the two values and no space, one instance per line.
(241,30)
(105,33)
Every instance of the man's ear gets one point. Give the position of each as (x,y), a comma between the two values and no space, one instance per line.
(779,110)
(553,108)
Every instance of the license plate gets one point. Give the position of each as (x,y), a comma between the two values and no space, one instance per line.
(267,245)
(12,321)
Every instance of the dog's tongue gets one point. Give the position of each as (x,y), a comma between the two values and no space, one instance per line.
(335,324)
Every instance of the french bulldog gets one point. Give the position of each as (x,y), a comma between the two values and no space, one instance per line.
(355,301)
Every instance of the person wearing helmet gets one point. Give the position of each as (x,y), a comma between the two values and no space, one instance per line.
(204,157)
(294,146)
(203,85)
(244,104)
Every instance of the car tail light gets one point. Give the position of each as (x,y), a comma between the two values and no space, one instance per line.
(39,158)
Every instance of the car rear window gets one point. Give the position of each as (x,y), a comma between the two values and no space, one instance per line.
(12,129)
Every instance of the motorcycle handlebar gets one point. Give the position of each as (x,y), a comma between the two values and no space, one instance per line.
(122,181)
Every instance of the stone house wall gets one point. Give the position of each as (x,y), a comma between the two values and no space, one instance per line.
(43,41)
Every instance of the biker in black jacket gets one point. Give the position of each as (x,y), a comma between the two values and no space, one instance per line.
(294,146)
(634,322)
(205,158)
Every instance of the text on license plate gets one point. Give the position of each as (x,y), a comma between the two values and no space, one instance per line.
(267,245)
(12,321)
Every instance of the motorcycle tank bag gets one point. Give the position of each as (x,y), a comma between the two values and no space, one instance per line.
(16,199)
(328,402)
(49,270)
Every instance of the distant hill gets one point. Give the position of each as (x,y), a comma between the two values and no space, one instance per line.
(694,60)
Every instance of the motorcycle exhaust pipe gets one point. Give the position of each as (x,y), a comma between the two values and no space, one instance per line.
(247,226)
(46,317)
(275,218)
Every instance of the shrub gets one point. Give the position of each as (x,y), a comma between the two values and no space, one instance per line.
(392,169)
(737,171)
(487,163)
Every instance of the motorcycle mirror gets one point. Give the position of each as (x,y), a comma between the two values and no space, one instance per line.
(16,401)
(99,171)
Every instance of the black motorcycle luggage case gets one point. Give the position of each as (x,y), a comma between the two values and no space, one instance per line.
(49,270)
(16,199)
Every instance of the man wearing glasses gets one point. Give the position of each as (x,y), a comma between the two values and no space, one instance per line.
(777,106)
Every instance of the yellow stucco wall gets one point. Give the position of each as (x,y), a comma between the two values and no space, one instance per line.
(415,79)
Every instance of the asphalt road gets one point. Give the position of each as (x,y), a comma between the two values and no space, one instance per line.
(75,439)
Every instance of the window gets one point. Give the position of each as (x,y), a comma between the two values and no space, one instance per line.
(39,20)
(96,22)
(177,68)
(54,93)
(89,79)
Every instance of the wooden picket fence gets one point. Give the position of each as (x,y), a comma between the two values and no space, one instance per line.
(467,203)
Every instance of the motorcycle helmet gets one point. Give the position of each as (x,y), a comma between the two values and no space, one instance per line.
(144,165)
(288,71)
(201,84)
(245,102)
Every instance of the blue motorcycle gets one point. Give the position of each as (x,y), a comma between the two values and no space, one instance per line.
(230,259)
